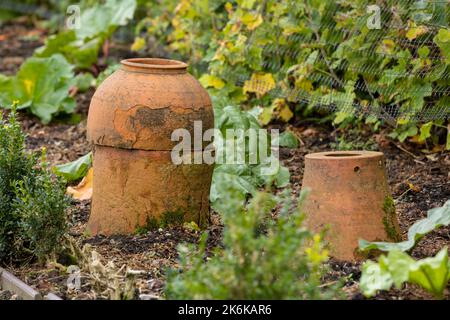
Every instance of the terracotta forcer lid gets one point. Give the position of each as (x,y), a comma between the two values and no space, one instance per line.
(350,198)
(344,155)
(142,103)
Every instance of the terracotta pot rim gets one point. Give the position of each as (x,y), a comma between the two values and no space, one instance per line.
(154,65)
(344,155)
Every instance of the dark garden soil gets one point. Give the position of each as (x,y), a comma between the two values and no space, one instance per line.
(150,254)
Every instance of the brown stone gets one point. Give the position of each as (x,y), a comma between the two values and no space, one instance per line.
(131,119)
(349,193)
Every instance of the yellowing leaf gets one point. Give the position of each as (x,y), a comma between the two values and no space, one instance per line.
(416,139)
(208,81)
(260,83)
(229,7)
(266,115)
(138,44)
(252,21)
(415,32)
(304,84)
(413,187)
(388,46)
(286,114)
(248,4)
(83,191)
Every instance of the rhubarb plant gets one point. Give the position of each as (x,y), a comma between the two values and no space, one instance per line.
(431,274)
(42,86)
(436,218)
(81,46)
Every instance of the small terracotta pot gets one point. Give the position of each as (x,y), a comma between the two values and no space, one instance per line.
(131,119)
(349,193)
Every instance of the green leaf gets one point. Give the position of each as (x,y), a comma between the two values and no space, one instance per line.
(102,19)
(242,178)
(76,169)
(84,81)
(432,273)
(397,263)
(42,85)
(425,131)
(81,53)
(374,278)
(447,147)
(283,177)
(436,218)
(288,140)
(231,178)
(442,39)
(98,22)
(409,131)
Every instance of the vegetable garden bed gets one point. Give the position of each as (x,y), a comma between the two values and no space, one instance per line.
(156,250)
(135,266)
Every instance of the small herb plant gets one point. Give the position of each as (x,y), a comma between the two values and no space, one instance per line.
(32,200)
(261,259)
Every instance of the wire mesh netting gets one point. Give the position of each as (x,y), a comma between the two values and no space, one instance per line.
(387,59)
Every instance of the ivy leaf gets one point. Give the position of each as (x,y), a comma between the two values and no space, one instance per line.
(208,81)
(285,113)
(410,131)
(266,115)
(442,39)
(138,44)
(248,4)
(436,218)
(251,20)
(415,32)
(425,131)
(76,169)
(260,83)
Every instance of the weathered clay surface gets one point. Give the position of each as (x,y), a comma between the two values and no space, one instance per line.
(349,193)
(131,119)
(139,107)
(133,186)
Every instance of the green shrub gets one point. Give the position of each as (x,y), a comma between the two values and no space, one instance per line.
(261,259)
(32,200)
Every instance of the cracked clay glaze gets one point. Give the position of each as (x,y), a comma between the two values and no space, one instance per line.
(131,119)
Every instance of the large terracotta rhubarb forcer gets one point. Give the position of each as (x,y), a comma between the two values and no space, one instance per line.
(131,119)
(349,193)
